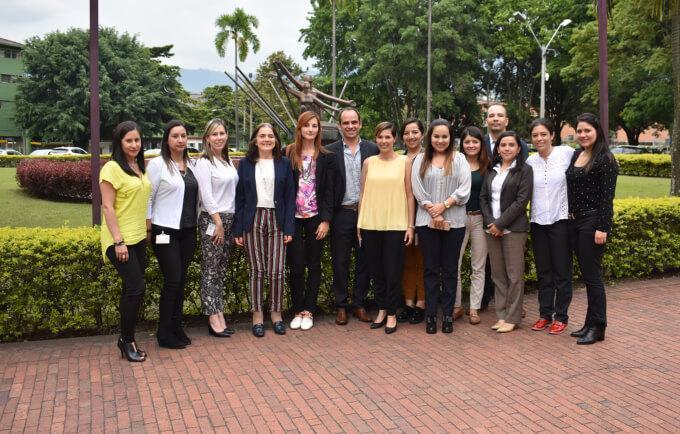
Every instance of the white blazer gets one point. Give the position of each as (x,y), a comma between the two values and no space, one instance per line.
(167,193)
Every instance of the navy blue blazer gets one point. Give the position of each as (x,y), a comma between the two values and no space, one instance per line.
(525,147)
(246,197)
(367,149)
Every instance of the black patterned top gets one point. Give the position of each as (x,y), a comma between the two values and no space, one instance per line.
(594,190)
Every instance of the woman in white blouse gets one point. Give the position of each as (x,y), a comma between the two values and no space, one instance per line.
(549,227)
(441,186)
(171,226)
(217,179)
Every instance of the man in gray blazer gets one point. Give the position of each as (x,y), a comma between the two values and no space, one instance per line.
(350,153)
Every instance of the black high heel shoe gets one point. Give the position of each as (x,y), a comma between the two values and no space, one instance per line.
(377,325)
(390,330)
(593,335)
(221,334)
(129,351)
(580,332)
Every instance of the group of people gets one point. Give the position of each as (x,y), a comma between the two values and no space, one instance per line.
(408,218)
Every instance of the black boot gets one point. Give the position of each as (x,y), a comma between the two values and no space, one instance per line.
(405,314)
(594,334)
(447,324)
(431,325)
(580,332)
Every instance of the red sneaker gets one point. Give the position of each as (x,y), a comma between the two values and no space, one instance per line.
(541,324)
(557,327)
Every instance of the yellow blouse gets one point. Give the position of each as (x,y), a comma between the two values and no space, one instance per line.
(132,198)
(383,203)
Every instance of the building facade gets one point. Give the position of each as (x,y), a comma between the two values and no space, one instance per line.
(11,68)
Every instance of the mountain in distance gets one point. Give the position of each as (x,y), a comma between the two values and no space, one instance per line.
(195,80)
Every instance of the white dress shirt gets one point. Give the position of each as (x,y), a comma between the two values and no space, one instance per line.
(549,202)
(216,185)
(167,192)
(496,188)
(264,183)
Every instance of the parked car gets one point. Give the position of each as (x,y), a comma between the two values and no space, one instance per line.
(40,152)
(10,151)
(153,152)
(69,150)
(627,149)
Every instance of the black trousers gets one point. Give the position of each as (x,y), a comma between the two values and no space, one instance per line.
(441,250)
(385,253)
(173,260)
(304,254)
(343,240)
(553,259)
(131,273)
(589,256)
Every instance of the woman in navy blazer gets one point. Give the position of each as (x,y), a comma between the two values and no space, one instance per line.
(264,221)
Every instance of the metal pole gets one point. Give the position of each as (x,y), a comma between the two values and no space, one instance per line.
(544,53)
(235,91)
(94,112)
(604,65)
(429,61)
(333,54)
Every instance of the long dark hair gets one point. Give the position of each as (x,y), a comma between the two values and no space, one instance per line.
(165,147)
(483,156)
(117,153)
(253,153)
(519,159)
(601,146)
(408,122)
(429,150)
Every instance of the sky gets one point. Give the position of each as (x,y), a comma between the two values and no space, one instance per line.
(189,25)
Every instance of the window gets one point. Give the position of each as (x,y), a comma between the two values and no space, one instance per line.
(6,78)
(11,54)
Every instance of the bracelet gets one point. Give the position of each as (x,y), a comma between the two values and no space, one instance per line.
(446,205)
(119,243)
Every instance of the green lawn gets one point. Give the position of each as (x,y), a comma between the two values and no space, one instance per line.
(20,209)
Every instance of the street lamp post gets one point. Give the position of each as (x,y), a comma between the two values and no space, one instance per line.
(544,51)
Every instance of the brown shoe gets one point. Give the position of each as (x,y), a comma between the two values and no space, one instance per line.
(341,317)
(474,317)
(360,313)
(458,312)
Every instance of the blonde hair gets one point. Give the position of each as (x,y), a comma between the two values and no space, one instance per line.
(208,153)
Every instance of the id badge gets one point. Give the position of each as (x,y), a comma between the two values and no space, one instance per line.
(210,231)
(162,238)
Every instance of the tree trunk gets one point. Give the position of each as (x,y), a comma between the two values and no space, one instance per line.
(631,134)
(675,136)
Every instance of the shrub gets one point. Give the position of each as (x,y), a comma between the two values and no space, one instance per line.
(61,180)
(14,160)
(655,165)
(53,281)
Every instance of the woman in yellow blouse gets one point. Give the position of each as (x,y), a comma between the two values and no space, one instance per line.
(386,222)
(125,192)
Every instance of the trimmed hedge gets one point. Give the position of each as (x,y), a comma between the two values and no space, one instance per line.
(14,160)
(60,180)
(655,165)
(52,280)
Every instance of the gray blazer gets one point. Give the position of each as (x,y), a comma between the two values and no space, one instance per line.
(515,195)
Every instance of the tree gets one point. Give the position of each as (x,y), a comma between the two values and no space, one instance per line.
(238,27)
(213,103)
(52,101)
(640,91)
(669,10)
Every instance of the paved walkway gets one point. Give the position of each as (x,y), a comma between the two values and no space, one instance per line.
(334,379)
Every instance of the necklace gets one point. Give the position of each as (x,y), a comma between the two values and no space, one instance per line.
(306,168)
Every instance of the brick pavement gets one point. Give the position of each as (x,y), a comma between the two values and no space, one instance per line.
(334,379)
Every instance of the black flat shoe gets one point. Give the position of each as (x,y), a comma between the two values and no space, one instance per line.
(447,324)
(181,336)
(377,325)
(279,328)
(221,334)
(129,351)
(258,330)
(431,325)
(580,332)
(593,335)
(405,314)
(418,315)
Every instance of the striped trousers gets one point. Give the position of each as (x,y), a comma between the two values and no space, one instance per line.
(266,258)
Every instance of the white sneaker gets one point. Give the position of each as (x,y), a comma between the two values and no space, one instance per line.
(295,323)
(307,321)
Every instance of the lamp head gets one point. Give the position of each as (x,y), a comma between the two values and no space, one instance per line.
(519,16)
(565,22)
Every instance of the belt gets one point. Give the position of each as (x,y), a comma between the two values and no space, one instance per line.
(474,212)
(353,207)
(582,214)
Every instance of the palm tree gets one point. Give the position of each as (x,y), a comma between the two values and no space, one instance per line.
(670,10)
(238,27)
